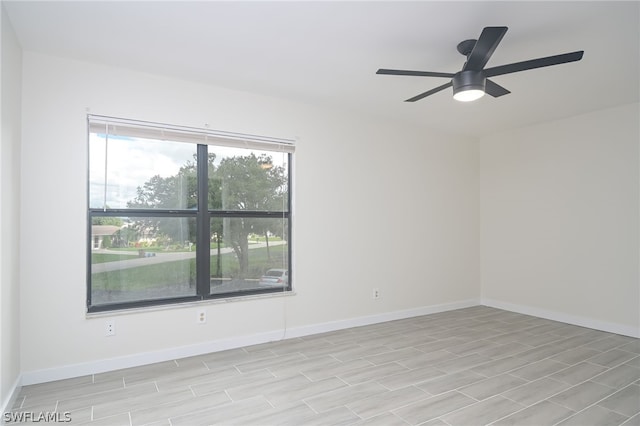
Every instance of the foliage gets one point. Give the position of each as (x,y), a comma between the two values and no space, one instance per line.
(249,183)
(238,183)
(173,192)
(104,220)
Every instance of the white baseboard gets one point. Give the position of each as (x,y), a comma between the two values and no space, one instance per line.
(10,400)
(135,360)
(378,318)
(144,358)
(610,327)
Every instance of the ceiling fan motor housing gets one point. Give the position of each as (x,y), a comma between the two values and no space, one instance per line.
(468,80)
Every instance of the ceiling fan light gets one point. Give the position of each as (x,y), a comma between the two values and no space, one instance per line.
(468,95)
(468,86)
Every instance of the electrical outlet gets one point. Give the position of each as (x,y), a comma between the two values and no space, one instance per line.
(110,328)
(201,317)
(376,293)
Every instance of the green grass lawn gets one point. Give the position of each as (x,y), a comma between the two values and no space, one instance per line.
(183,272)
(109,257)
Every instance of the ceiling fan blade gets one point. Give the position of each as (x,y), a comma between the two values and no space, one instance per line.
(414,73)
(484,47)
(494,89)
(429,92)
(534,63)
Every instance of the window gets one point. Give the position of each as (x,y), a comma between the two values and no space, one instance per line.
(179,214)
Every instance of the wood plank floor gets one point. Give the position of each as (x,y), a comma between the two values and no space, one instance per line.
(474,366)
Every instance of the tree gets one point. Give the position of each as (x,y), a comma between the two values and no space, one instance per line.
(173,192)
(249,183)
(239,183)
(105,220)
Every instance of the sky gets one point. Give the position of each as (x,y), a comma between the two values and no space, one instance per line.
(130,162)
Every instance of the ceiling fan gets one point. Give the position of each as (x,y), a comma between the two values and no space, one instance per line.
(472,82)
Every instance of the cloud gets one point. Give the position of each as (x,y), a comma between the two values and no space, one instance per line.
(119,165)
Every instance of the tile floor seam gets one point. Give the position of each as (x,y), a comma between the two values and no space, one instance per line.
(423,399)
(525,408)
(513,400)
(268,400)
(396,408)
(609,409)
(472,397)
(602,384)
(580,362)
(635,355)
(548,376)
(547,399)
(589,406)
(461,408)
(354,413)
(310,407)
(565,419)
(307,377)
(617,412)
(565,390)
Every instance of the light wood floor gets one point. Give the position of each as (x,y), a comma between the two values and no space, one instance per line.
(474,366)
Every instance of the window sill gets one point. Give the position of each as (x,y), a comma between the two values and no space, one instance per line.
(198,304)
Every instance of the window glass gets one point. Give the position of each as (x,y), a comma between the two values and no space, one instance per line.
(244,179)
(174,217)
(247,251)
(131,172)
(142,258)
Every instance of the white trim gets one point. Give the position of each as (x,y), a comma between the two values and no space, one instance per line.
(144,358)
(8,403)
(378,318)
(194,304)
(595,324)
(134,360)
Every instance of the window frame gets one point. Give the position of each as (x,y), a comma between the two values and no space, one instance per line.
(202,215)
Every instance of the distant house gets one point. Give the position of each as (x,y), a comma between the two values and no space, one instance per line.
(98,232)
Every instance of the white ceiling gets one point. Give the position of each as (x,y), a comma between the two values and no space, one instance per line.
(326,53)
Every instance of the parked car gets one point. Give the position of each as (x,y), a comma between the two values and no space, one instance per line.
(278,277)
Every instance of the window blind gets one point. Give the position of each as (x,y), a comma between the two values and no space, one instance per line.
(148,130)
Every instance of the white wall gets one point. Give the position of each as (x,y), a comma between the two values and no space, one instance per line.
(560,220)
(10,84)
(376,204)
